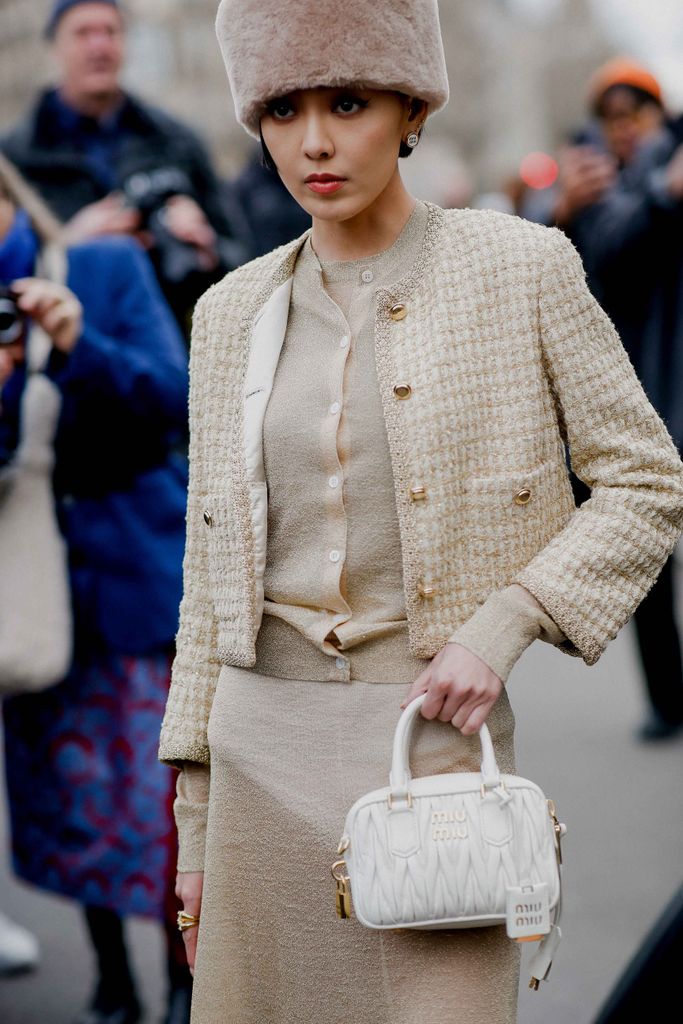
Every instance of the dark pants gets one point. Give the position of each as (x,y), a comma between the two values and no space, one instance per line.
(660,649)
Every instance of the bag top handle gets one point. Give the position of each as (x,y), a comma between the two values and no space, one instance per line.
(399,778)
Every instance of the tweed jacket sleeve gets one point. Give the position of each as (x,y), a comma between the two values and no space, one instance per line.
(591,576)
(196,665)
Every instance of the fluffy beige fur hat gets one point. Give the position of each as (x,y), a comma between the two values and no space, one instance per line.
(272,47)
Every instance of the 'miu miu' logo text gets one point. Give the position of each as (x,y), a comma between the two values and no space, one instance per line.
(528,913)
(449,825)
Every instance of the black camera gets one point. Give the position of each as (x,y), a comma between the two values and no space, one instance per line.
(148,190)
(13,322)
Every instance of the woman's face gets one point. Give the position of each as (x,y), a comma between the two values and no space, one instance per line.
(348,137)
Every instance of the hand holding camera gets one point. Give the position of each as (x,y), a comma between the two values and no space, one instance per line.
(108,216)
(54,307)
(586,174)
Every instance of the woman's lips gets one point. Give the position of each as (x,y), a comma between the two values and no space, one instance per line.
(326,187)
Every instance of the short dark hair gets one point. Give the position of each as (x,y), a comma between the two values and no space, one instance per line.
(641,97)
(404,150)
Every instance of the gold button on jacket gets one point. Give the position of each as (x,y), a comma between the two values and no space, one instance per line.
(398,311)
(403,390)
(418,493)
(208,518)
(521,497)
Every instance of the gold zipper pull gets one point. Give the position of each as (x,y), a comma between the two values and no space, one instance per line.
(343,900)
(559,827)
(343,893)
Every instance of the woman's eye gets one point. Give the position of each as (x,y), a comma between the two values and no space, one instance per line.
(345,103)
(279,108)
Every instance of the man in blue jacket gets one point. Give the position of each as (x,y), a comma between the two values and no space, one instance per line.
(108,163)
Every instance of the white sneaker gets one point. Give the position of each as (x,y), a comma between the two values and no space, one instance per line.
(19,949)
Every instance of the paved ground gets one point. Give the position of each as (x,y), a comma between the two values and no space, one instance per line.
(622,803)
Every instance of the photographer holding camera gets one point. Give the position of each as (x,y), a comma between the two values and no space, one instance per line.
(89,802)
(107,163)
(620,201)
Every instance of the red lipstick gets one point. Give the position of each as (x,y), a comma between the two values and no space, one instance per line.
(324,184)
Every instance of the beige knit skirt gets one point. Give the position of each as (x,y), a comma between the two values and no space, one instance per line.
(288,758)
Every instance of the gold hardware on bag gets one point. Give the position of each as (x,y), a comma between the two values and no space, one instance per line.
(343,893)
(559,829)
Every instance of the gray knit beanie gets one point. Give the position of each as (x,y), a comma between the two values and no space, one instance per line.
(60,7)
(272,47)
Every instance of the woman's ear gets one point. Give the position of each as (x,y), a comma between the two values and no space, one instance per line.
(417,111)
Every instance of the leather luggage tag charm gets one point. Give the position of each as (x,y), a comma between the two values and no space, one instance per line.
(527,911)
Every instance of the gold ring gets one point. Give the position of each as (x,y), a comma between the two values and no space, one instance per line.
(186,921)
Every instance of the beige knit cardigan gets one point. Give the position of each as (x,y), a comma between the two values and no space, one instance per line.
(508,357)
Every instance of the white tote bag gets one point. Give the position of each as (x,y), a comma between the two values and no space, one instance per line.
(36,628)
(454,850)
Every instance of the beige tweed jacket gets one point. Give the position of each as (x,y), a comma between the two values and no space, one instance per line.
(492,355)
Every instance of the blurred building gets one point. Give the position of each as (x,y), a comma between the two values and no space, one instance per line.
(516,67)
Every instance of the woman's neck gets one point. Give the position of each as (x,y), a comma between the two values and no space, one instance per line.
(371,231)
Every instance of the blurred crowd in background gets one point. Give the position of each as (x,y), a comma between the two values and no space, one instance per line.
(131,198)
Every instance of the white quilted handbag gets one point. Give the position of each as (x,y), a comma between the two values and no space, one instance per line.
(454,850)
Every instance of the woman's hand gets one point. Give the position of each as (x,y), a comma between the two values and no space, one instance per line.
(188,889)
(460,689)
(54,307)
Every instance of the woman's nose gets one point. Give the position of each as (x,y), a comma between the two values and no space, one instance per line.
(317,142)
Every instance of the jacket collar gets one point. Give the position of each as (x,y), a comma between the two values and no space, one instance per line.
(284,267)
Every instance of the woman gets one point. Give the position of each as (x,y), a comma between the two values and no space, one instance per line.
(379,507)
(90,805)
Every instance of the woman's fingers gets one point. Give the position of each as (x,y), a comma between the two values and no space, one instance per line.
(189,886)
(460,688)
(471,715)
(443,691)
(190,940)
